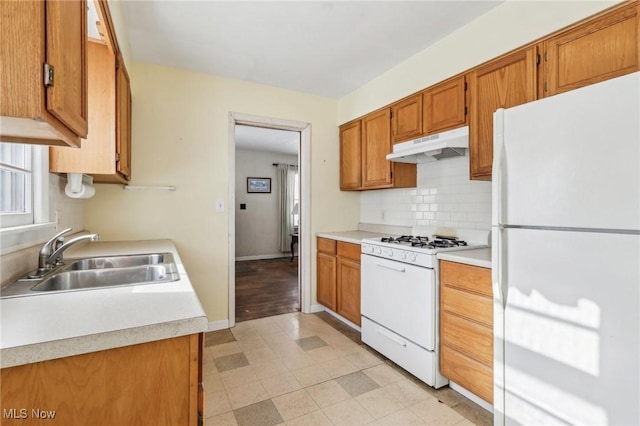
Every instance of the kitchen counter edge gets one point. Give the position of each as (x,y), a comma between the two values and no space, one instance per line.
(353,237)
(147,324)
(476,257)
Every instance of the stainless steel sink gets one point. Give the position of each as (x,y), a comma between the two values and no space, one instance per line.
(98,272)
(119,261)
(108,277)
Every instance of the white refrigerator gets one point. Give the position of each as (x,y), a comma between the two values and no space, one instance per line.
(566,258)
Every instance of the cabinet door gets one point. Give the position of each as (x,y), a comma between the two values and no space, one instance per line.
(349,289)
(376,144)
(595,51)
(503,83)
(444,106)
(97,152)
(66,23)
(123,121)
(326,282)
(406,117)
(351,155)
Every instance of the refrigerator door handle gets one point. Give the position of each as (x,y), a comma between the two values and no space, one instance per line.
(498,272)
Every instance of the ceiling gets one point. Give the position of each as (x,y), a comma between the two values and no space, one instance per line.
(268,140)
(327,48)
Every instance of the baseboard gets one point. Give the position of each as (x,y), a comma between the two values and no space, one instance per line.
(343,319)
(218,325)
(470,395)
(261,256)
(316,308)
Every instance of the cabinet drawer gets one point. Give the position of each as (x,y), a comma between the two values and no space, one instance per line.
(470,338)
(349,250)
(327,245)
(467,277)
(468,373)
(473,306)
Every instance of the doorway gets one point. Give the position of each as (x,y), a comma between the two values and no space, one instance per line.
(265,277)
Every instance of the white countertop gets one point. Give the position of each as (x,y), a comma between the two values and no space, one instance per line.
(49,326)
(354,237)
(476,257)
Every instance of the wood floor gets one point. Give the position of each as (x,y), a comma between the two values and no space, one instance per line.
(266,287)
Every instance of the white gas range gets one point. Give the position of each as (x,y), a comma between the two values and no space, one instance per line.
(400,296)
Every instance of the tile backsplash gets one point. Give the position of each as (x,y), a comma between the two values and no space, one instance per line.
(444,197)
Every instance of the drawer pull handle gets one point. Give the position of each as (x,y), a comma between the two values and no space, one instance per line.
(391,337)
(393,268)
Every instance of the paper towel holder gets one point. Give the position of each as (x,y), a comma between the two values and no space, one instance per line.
(79,186)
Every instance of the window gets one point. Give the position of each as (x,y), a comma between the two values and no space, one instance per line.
(296,202)
(23,184)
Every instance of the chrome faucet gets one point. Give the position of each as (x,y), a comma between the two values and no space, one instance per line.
(50,254)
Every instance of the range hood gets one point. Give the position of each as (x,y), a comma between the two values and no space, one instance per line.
(453,143)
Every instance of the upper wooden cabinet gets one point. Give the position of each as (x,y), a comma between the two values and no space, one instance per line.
(377,171)
(376,144)
(600,49)
(406,118)
(444,106)
(503,83)
(351,155)
(123,121)
(106,152)
(43,64)
(364,145)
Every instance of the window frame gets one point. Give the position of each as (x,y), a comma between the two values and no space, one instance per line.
(14,235)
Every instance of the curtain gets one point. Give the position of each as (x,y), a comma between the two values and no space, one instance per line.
(286,187)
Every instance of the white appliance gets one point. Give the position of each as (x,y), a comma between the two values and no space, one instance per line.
(566,258)
(400,295)
(452,143)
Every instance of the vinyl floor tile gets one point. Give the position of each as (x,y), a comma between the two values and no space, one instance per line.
(314,370)
(262,413)
(230,362)
(309,343)
(357,383)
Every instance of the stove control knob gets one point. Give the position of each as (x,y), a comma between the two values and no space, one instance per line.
(413,257)
(390,254)
(404,255)
(378,250)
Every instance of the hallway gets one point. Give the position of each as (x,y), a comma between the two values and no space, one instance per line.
(266,287)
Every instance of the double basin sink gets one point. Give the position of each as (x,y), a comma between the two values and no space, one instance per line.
(98,272)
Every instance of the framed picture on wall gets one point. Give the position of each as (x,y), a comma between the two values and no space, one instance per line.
(262,185)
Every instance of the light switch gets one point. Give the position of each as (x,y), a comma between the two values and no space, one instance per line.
(219,205)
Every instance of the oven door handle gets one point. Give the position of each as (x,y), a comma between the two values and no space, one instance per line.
(393,268)
(391,337)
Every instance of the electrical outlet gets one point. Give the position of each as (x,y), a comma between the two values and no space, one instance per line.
(219,205)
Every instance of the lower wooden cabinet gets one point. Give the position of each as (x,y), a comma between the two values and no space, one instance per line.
(338,277)
(326,267)
(466,327)
(154,383)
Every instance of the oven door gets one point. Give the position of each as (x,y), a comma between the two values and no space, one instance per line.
(400,297)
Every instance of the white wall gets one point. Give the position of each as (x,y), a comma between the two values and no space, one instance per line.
(444,197)
(504,28)
(257,227)
(180,136)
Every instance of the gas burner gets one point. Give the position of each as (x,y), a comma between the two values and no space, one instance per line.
(443,242)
